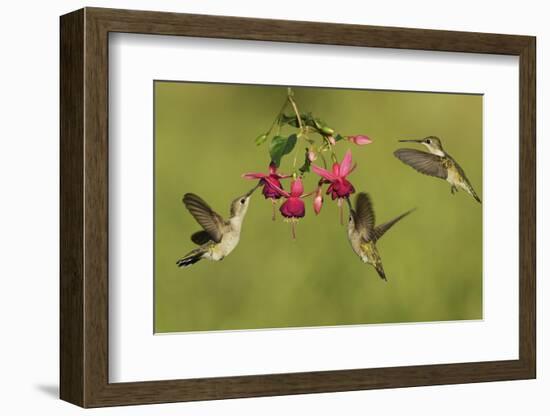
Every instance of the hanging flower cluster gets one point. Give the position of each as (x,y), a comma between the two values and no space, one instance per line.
(338,187)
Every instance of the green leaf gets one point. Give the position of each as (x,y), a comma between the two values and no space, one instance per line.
(260,139)
(281,146)
(307,120)
(290,120)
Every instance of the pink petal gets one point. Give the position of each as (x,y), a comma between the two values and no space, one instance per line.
(254,175)
(274,183)
(293,208)
(336,169)
(341,189)
(345,166)
(296,188)
(272,188)
(324,173)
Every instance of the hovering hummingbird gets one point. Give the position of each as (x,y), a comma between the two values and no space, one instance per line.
(437,163)
(218,237)
(363,234)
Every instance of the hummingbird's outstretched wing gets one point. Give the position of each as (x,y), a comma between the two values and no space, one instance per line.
(212,222)
(381,229)
(364,216)
(201,237)
(423,162)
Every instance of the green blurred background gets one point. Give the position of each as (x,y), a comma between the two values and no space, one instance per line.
(204,141)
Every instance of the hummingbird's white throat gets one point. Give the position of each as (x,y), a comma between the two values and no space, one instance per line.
(236,222)
(434,150)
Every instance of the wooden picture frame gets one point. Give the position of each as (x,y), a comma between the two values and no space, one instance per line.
(84,207)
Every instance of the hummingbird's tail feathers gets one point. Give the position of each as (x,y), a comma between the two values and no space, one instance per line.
(201,237)
(471,191)
(380,271)
(380,230)
(191,258)
(464,182)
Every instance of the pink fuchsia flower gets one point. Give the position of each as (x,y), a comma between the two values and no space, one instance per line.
(271,182)
(293,208)
(339,187)
(318,200)
(360,139)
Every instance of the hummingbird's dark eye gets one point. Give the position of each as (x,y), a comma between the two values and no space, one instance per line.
(428,141)
(242,201)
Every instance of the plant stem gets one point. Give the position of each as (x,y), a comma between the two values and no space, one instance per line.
(273,212)
(331,148)
(278,118)
(290,96)
(324,159)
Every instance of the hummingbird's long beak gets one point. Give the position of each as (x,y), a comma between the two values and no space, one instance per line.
(349,204)
(410,141)
(253,189)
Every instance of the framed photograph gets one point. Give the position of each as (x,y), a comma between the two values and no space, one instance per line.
(255,207)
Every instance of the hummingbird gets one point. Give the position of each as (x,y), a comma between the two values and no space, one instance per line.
(436,163)
(218,237)
(363,234)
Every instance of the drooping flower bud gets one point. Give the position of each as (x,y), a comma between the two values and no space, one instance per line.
(318,201)
(327,130)
(360,139)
